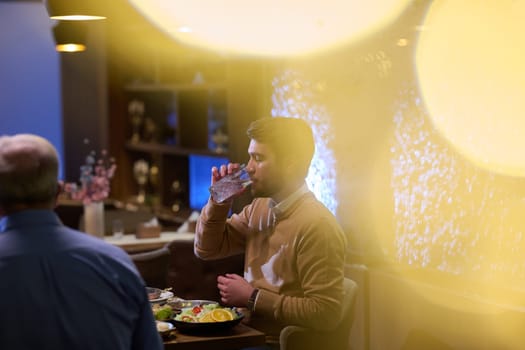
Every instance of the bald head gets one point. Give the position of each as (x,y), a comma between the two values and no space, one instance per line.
(28,172)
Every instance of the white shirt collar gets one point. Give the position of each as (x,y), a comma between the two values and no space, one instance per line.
(281,207)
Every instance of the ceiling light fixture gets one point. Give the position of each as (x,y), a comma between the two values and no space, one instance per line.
(70,36)
(74,10)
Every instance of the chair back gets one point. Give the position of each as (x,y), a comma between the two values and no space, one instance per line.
(153,266)
(300,338)
(193,278)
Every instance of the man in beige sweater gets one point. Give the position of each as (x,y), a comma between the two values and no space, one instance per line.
(294,248)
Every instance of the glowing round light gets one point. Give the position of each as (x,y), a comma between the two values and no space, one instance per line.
(70,47)
(269,27)
(77,18)
(470,70)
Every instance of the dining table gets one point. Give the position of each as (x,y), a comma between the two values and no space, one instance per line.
(238,337)
(131,244)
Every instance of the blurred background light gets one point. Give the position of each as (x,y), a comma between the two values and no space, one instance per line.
(470,71)
(289,27)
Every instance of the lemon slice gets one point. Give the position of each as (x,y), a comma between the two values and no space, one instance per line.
(207,318)
(221,315)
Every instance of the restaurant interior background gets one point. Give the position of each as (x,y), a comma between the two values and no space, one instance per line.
(434,218)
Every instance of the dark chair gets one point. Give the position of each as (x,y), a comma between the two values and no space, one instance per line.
(70,213)
(193,278)
(153,266)
(300,338)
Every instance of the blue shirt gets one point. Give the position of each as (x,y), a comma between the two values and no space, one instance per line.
(64,289)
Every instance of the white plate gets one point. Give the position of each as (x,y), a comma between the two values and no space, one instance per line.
(164,296)
(169,327)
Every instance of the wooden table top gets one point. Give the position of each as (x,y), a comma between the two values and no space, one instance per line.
(238,337)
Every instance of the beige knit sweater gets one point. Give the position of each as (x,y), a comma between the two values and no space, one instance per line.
(296,260)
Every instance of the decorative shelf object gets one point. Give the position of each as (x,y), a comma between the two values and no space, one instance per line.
(170,149)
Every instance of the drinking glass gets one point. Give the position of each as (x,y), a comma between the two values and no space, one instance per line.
(230,185)
(117,228)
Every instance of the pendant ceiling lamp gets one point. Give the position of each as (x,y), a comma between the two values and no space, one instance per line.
(75,10)
(70,36)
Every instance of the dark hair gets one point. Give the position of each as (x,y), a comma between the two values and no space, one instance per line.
(28,171)
(290,138)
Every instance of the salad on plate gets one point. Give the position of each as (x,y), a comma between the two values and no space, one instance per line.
(207,313)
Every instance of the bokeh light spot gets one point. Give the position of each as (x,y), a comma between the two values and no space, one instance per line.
(270,27)
(470,71)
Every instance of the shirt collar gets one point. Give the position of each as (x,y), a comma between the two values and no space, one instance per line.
(30,217)
(285,204)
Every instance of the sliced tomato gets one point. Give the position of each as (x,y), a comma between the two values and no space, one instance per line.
(196,310)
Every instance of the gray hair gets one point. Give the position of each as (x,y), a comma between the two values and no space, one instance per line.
(28,171)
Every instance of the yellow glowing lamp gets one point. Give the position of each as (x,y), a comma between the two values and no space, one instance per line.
(470,66)
(70,47)
(77,18)
(76,10)
(70,36)
(271,27)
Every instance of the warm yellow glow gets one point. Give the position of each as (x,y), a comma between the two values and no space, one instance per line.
(185,29)
(289,27)
(402,42)
(70,47)
(470,61)
(77,18)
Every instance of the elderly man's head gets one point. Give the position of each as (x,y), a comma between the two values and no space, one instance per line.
(28,172)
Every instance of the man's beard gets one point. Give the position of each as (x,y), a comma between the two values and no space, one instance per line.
(263,191)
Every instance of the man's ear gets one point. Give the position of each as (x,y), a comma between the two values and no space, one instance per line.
(60,188)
